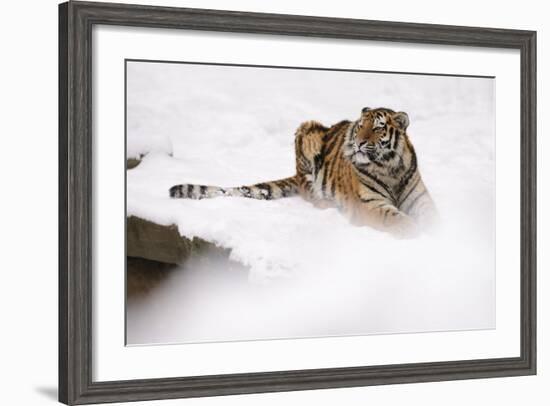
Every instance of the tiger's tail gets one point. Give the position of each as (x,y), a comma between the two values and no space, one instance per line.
(275,189)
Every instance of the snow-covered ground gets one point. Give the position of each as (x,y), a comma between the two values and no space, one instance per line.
(311,273)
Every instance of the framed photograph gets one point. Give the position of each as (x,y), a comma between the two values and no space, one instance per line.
(259,202)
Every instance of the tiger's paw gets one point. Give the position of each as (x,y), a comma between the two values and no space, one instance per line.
(323,204)
(405,228)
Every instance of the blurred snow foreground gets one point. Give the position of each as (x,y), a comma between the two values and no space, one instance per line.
(232,126)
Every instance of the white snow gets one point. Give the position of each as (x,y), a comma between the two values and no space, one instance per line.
(231,126)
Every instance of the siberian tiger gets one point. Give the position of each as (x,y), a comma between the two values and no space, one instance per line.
(366,168)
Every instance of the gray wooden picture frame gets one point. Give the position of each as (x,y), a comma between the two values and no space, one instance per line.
(76,20)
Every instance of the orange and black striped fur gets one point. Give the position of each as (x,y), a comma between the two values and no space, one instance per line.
(366,168)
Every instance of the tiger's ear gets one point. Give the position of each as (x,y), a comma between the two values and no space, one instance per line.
(365,109)
(402,119)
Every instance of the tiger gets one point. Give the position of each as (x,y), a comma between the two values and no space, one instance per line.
(367,168)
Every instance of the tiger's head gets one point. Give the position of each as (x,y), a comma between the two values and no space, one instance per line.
(377,136)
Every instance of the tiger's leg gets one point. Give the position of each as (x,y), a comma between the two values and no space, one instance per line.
(423,210)
(418,204)
(308,148)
